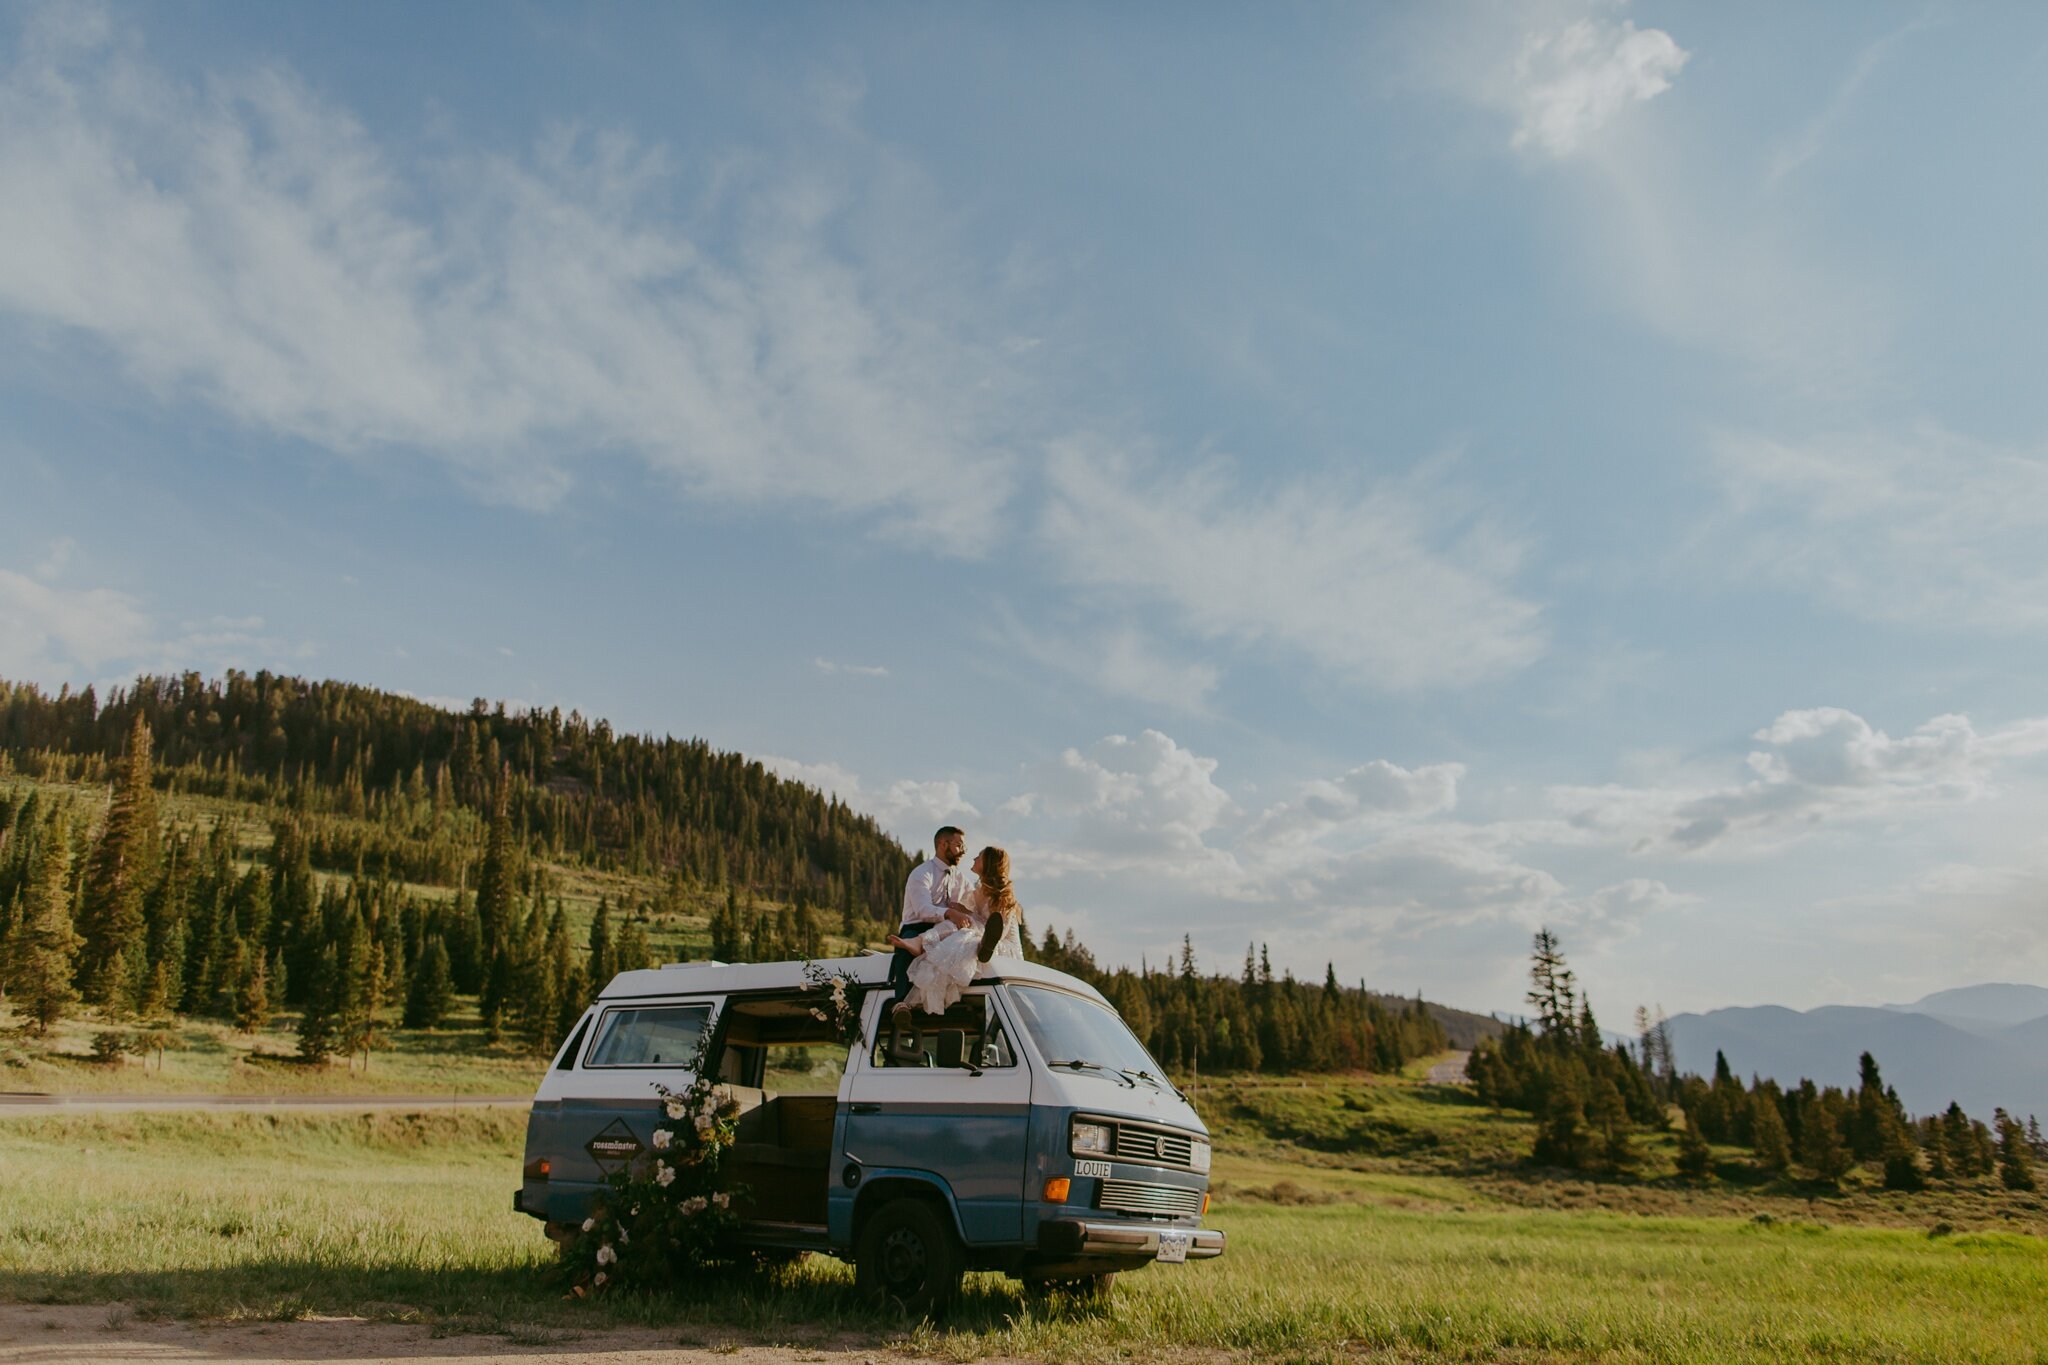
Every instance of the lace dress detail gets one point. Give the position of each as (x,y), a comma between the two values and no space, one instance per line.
(940,975)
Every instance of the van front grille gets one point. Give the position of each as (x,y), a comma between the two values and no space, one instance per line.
(1161,1201)
(1154,1147)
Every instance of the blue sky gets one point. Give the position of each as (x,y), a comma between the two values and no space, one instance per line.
(1374,480)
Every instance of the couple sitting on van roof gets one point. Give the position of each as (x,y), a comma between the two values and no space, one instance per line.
(951,925)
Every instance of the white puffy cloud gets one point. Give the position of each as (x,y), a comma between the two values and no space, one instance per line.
(1128,803)
(1391,585)
(1567,83)
(1363,800)
(50,632)
(908,808)
(46,630)
(1818,766)
(253,247)
(1922,526)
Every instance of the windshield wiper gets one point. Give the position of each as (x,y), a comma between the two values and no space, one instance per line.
(1159,1082)
(1078,1065)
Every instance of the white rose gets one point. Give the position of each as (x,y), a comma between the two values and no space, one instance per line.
(600,1278)
(605,1254)
(693,1206)
(664,1174)
(661,1139)
(589,1224)
(721,1199)
(674,1107)
(703,1123)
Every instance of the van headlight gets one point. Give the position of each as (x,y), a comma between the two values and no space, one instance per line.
(1198,1155)
(1092,1137)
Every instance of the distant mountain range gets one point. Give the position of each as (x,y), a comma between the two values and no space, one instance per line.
(1981,1046)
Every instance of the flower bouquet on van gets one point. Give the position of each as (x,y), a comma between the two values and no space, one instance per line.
(668,1210)
(839,1002)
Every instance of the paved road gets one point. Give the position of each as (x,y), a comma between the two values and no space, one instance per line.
(15,1102)
(1449,1071)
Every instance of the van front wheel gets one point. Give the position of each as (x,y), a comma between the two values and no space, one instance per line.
(907,1256)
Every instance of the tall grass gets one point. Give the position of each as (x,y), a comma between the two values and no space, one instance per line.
(408,1216)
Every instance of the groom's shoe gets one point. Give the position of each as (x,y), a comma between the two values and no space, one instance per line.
(991,935)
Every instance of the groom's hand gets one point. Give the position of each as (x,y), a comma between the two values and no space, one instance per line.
(961,919)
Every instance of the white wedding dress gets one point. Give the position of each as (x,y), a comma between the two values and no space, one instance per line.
(940,975)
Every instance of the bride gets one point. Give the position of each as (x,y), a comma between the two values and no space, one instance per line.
(945,959)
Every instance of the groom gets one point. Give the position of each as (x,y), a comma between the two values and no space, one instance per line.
(932,894)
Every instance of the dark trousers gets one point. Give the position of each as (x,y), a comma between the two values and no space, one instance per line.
(899,962)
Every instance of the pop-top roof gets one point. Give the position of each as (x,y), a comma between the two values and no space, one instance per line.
(870,969)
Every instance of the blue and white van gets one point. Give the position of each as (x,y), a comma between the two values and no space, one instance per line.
(1026,1130)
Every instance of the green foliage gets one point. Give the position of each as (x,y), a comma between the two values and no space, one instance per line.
(40,948)
(2015,1154)
(669,1212)
(433,987)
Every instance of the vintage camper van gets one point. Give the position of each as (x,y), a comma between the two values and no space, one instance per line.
(1026,1130)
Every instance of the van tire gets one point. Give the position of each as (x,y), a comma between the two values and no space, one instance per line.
(908,1258)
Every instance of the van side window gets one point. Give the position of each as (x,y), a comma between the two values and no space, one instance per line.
(966,1037)
(568,1062)
(654,1035)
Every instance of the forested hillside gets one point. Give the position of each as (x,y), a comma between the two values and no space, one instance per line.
(360,862)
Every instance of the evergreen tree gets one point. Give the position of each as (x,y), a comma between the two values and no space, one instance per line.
(2015,1154)
(1772,1144)
(41,948)
(318,1019)
(498,876)
(600,966)
(433,987)
(1695,1157)
(1821,1149)
(111,959)
(1563,1139)
(252,993)
(1552,988)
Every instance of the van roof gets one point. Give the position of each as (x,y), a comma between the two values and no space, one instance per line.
(870,969)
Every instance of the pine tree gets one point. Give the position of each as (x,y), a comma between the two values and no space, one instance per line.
(252,993)
(496,879)
(433,987)
(599,968)
(2015,1154)
(1552,989)
(1772,1144)
(41,948)
(116,881)
(1821,1149)
(1695,1157)
(317,1020)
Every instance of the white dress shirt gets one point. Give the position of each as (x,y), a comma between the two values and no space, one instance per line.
(931,886)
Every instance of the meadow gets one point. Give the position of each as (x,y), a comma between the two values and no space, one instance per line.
(407,1216)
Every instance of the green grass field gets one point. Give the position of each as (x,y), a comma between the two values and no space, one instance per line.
(1389,1256)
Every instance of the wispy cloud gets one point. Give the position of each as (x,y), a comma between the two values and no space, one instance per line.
(1567,83)
(50,632)
(252,246)
(1395,584)
(833,668)
(1819,767)
(909,808)
(1922,526)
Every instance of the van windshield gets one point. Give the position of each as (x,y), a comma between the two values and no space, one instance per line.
(1071,1031)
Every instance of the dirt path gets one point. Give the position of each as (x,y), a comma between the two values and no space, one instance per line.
(19,1103)
(1449,1071)
(40,1334)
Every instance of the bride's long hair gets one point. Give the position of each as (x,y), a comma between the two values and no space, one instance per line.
(995,883)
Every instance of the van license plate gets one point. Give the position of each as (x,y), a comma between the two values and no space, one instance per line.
(1173,1246)
(1097,1169)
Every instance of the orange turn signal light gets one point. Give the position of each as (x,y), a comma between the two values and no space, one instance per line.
(537,1169)
(1056,1189)
(1205,1203)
